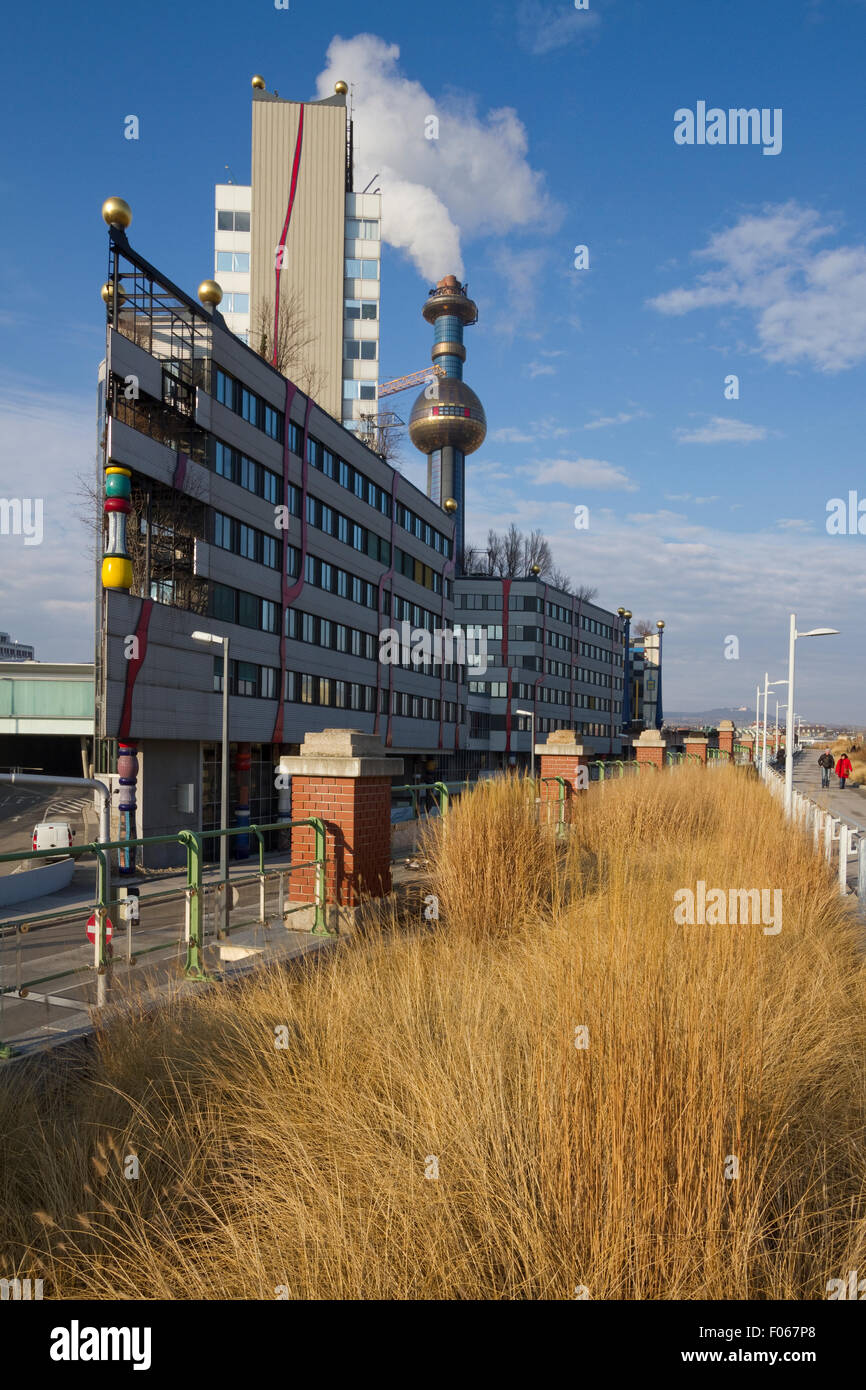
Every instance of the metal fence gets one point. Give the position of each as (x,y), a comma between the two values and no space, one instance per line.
(210,910)
(831,836)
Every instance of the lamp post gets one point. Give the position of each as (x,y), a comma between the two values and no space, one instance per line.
(224,781)
(659,712)
(530,714)
(789,720)
(767,684)
(626,715)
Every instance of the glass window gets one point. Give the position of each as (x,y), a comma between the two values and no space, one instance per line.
(306,690)
(223,460)
(247,678)
(225,221)
(340,694)
(242,221)
(342,637)
(240,304)
(223,602)
(270,485)
(270,552)
(248,610)
(270,616)
(368,351)
(343,529)
(327,521)
(327,463)
(351,348)
(342,584)
(247,546)
(324,632)
(367,392)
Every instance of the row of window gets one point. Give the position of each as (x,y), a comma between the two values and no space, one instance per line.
(551,695)
(545,726)
(321,574)
(360,390)
(340,694)
(366,490)
(362,229)
(248,541)
(232,464)
(232,303)
(247,678)
(361,270)
(361,309)
(234,261)
(363,349)
(250,406)
(531,603)
(229,221)
(248,610)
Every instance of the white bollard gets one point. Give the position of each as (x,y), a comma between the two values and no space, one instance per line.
(844,833)
(828,838)
(816,828)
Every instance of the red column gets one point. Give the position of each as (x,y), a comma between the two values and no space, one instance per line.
(726,737)
(650,748)
(696,744)
(748,742)
(562,757)
(343,778)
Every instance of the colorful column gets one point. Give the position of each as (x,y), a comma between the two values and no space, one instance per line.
(127,768)
(116,564)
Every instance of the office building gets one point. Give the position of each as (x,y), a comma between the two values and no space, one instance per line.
(14,651)
(297,253)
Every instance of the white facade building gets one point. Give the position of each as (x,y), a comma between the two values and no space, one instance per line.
(14,651)
(232,254)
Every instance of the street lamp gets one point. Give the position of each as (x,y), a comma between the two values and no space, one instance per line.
(789,720)
(626,712)
(530,714)
(767,684)
(659,712)
(224,786)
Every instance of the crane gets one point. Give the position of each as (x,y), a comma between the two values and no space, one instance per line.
(403,383)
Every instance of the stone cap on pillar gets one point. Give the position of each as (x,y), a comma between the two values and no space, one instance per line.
(695,738)
(342,753)
(561,743)
(650,738)
(727,724)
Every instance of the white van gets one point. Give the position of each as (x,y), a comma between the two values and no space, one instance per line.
(53,834)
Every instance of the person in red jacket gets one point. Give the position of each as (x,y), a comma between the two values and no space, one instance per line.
(843,770)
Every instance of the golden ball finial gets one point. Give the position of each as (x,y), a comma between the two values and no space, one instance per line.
(621,612)
(660,625)
(627,615)
(116,212)
(107,293)
(341,88)
(536,569)
(209,292)
(259,82)
(450,505)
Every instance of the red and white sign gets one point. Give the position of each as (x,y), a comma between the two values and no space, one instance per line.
(91,928)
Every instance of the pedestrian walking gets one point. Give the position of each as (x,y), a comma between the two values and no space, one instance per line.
(826,762)
(843,770)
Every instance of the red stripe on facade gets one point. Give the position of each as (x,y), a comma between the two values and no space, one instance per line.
(133,667)
(277,735)
(383,580)
(296,164)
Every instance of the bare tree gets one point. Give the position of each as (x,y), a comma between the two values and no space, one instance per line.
(560,580)
(384,434)
(585,592)
(295,342)
(643,628)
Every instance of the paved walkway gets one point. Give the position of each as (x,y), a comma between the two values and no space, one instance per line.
(850,804)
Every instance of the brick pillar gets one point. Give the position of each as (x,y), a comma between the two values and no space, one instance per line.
(748,742)
(726,738)
(696,744)
(650,748)
(561,756)
(342,777)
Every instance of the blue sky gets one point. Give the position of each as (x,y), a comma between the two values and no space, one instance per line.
(603,387)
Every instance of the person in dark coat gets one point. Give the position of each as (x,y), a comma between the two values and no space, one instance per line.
(826,762)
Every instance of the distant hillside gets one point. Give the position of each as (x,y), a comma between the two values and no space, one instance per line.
(709,716)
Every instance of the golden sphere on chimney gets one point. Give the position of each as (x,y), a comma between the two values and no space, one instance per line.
(259,82)
(450,505)
(341,88)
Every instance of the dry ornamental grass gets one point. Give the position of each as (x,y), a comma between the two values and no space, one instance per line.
(543,1090)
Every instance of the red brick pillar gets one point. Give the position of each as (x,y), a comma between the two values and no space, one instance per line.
(696,744)
(726,738)
(344,778)
(650,748)
(561,756)
(748,742)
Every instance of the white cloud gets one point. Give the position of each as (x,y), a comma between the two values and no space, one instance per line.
(583,472)
(623,418)
(544,28)
(787,523)
(723,430)
(510,435)
(535,369)
(473,180)
(808,305)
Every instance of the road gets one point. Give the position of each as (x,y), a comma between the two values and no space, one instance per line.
(22,807)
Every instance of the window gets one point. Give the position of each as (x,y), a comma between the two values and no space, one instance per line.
(351,348)
(235,261)
(223,602)
(229,221)
(248,610)
(247,542)
(232,303)
(362,309)
(247,679)
(362,229)
(362,270)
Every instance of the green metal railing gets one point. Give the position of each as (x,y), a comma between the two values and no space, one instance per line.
(193,895)
(442,791)
(674,758)
(596,762)
(561,818)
